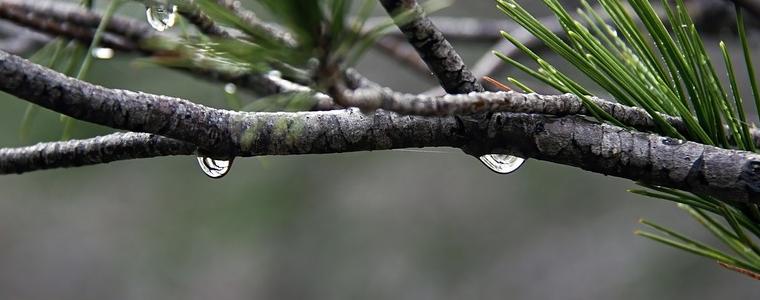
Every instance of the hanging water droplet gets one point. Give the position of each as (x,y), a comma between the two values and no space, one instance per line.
(502,163)
(161,16)
(230,88)
(214,168)
(102,53)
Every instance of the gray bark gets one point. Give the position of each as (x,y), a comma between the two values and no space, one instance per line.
(99,150)
(435,50)
(726,174)
(188,128)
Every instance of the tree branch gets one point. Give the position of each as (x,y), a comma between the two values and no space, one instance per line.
(434,49)
(573,141)
(122,34)
(458,28)
(726,174)
(190,10)
(267,84)
(99,150)
(250,18)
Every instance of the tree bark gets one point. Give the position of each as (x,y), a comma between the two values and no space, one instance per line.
(575,141)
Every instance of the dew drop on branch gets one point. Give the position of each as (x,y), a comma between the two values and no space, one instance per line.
(214,168)
(502,163)
(230,88)
(102,53)
(161,16)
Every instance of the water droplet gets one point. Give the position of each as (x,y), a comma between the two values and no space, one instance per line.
(275,73)
(214,168)
(672,142)
(502,163)
(230,88)
(102,53)
(161,16)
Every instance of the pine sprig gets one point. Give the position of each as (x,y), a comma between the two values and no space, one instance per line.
(663,68)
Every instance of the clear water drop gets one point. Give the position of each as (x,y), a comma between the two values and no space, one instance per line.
(502,163)
(214,168)
(161,16)
(672,142)
(102,53)
(230,88)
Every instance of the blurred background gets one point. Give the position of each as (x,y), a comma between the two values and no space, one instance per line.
(369,225)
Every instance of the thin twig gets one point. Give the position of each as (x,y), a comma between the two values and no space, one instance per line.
(745,272)
(250,18)
(457,27)
(99,150)
(190,10)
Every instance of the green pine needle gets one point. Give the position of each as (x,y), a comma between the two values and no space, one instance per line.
(662,67)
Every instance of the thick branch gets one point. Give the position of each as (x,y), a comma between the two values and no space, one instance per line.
(30,76)
(434,49)
(729,175)
(372,97)
(726,174)
(601,148)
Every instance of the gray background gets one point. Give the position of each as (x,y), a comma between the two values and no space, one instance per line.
(371,225)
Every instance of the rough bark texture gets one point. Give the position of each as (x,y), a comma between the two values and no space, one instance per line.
(434,49)
(119,109)
(99,150)
(466,104)
(217,132)
(706,170)
(574,141)
(373,97)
